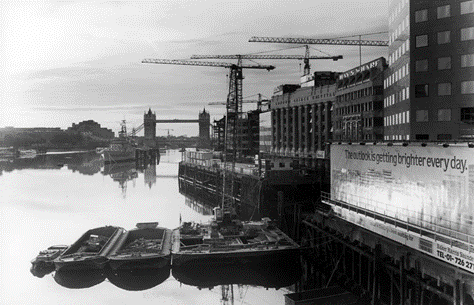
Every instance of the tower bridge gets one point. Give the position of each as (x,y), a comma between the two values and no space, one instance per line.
(204,121)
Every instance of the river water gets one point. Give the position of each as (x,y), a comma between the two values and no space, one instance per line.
(53,199)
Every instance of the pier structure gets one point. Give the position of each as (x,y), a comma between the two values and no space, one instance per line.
(256,191)
(395,227)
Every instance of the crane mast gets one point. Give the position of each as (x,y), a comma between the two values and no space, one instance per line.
(233,111)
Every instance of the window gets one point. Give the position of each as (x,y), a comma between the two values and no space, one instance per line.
(467,34)
(444,136)
(467,60)
(421,15)
(421,90)
(422,137)
(444,89)
(467,7)
(444,63)
(444,37)
(444,11)
(467,115)
(444,115)
(467,87)
(422,115)
(421,65)
(421,41)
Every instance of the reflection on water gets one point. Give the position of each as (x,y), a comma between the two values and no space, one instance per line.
(121,173)
(78,279)
(266,274)
(57,197)
(85,163)
(132,280)
(270,274)
(140,279)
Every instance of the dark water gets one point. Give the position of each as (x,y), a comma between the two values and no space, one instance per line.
(53,199)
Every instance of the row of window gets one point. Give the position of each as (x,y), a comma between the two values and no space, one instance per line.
(405,47)
(356,108)
(400,29)
(398,96)
(444,63)
(398,137)
(444,11)
(313,97)
(418,137)
(358,94)
(444,115)
(422,90)
(354,124)
(396,76)
(444,37)
(398,118)
(396,11)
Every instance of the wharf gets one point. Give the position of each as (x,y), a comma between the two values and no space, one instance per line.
(257,192)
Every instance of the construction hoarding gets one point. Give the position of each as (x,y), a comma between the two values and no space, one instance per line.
(423,196)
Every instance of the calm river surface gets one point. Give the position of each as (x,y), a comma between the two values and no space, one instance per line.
(53,199)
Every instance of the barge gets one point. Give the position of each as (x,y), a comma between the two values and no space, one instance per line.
(146,246)
(231,242)
(90,250)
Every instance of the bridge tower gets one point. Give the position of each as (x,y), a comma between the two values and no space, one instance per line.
(204,129)
(149,121)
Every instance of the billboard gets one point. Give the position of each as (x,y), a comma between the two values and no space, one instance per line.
(430,188)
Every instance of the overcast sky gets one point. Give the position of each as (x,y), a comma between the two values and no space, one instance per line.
(65,62)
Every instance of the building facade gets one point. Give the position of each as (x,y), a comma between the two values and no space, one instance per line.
(429,85)
(301,118)
(357,114)
(247,135)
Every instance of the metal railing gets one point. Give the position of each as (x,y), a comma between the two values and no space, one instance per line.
(402,217)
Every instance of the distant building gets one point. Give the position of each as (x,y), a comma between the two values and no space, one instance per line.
(44,132)
(265,135)
(247,135)
(204,129)
(218,134)
(92,128)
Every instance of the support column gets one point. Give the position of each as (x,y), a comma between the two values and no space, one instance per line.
(294,142)
(288,128)
(299,147)
(320,125)
(327,120)
(307,128)
(275,130)
(282,127)
(314,143)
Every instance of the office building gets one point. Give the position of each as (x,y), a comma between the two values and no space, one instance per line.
(429,85)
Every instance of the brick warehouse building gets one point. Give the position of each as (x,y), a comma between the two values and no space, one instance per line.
(301,118)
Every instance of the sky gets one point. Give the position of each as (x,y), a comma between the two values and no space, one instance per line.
(65,62)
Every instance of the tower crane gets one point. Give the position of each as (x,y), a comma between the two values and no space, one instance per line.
(305,58)
(328,41)
(233,110)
